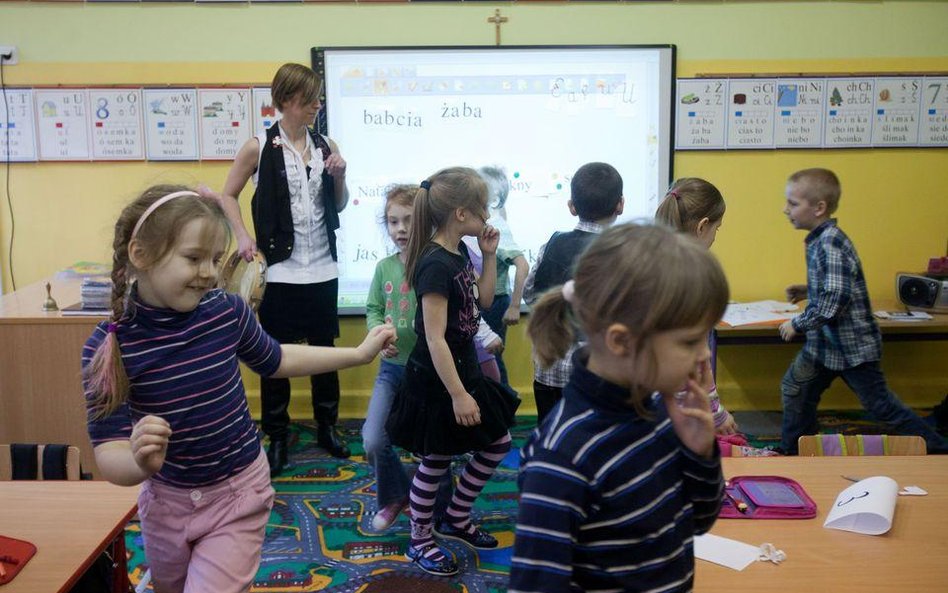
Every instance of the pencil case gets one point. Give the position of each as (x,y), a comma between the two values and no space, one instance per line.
(765,497)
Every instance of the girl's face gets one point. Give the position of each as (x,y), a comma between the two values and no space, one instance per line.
(476,220)
(398,224)
(187,272)
(675,356)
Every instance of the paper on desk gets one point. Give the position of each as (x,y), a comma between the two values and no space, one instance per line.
(865,507)
(758,312)
(726,552)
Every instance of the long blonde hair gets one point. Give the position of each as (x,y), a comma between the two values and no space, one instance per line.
(105,375)
(649,278)
(438,197)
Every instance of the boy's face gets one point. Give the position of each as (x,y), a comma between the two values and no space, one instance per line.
(800,212)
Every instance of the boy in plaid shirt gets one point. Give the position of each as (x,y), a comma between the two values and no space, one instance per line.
(842,338)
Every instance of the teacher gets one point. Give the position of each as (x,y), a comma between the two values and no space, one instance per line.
(300,180)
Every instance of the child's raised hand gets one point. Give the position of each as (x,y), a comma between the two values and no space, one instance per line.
(378,338)
(149,442)
(466,410)
(796,293)
(690,413)
(488,240)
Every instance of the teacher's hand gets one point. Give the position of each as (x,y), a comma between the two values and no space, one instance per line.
(336,165)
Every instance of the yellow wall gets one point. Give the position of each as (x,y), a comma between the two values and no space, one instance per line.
(894,206)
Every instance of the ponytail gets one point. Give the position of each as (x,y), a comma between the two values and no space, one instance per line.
(551,327)
(670,212)
(422,229)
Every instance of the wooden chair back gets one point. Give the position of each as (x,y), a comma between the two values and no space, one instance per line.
(6,463)
(819,445)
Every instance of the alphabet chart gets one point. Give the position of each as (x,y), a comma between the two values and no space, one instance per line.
(813,112)
(116,124)
(225,122)
(265,113)
(17,127)
(171,124)
(63,124)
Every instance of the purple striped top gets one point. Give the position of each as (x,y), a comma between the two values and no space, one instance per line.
(184,368)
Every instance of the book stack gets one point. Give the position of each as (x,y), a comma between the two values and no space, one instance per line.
(95,296)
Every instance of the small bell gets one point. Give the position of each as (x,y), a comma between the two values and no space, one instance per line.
(50,304)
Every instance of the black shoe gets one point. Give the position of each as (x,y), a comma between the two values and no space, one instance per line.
(276,456)
(327,438)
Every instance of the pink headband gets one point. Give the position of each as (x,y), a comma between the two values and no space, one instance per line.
(156,204)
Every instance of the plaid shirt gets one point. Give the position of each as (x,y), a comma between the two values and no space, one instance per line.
(558,374)
(840,330)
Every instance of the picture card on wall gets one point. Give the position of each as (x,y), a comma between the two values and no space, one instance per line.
(701,117)
(224,122)
(116,124)
(895,118)
(750,116)
(848,109)
(63,124)
(171,129)
(17,127)
(934,125)
(798,122)
(265,113)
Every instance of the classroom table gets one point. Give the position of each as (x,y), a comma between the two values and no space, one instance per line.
(69,522)
(912,556)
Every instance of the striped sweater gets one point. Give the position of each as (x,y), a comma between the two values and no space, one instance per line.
(609,501)
(184,368)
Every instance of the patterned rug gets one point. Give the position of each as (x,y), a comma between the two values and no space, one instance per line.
(320,539)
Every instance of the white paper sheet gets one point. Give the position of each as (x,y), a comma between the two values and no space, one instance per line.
(865,507)
(726,552)
(758,312)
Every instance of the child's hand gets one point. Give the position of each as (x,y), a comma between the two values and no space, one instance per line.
(495,347)
(512,315)
(390,351)
(335,165)
(466,410)
(729,426)
(488,240)
(378,338)
(786,330)
(796,293)
(149,442)
(690,413)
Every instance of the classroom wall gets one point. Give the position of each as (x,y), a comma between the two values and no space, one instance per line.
(893,206)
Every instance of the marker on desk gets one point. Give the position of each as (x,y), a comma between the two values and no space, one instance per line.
(740,505)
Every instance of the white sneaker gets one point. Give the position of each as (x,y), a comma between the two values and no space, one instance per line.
(388,514)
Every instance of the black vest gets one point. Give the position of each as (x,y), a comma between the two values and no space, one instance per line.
(559,258)
(272,216)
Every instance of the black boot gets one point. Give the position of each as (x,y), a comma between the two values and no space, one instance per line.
(328,439)
(276,455)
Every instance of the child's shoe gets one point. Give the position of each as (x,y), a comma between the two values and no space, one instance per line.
(437,563)
(472,536)
(388,514)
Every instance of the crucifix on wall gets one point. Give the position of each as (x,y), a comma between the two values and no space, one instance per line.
(497,21)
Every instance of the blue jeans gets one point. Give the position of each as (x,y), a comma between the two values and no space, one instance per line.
(806,380)
(494,316)
(391,480)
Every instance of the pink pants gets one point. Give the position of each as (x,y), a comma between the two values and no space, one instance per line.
(206,539)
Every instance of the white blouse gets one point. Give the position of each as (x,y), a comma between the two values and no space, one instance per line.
(311,261)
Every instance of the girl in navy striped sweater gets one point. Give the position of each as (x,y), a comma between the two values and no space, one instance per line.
(166,403)
(625,470)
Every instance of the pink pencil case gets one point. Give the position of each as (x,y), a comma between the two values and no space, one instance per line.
(766,497)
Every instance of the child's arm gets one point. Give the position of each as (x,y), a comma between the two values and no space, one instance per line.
(130,462)
(298,360)
(486,284)
(375,300)
(553,501)
(512,315)
(529,293)
(434,309)
(487,338)
(832,299)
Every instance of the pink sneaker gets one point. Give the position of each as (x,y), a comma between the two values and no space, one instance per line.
(388,514)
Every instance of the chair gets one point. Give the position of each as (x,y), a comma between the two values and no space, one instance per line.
(820,445)
(39,462)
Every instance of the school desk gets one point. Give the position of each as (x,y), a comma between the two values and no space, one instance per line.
(69,522)
(912,556)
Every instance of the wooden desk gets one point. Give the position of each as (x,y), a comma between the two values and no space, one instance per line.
(70,523)
(912,556)
(892,331)
(40,387)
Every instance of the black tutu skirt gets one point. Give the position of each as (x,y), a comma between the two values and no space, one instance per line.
(422,416)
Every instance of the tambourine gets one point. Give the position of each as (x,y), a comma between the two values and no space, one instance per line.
(247,279)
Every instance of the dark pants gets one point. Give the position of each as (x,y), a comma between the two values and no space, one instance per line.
(494,316)
(546,397)
(806,380)
(293,313)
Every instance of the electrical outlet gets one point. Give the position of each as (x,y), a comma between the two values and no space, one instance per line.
(11,51)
